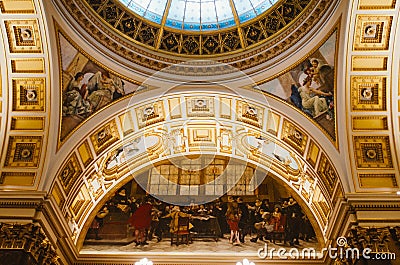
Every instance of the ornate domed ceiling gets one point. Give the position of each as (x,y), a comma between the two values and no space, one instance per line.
(160,33)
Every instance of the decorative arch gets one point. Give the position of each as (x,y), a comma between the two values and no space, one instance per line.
(185,122)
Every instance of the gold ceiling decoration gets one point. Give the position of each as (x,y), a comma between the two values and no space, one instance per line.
(185,42)
(155,47)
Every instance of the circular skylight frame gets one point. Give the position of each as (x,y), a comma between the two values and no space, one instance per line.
(220,14)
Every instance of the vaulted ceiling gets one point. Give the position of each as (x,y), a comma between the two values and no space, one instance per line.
(353,156)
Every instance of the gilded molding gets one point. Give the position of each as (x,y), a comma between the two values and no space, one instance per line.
(29,238)
(372,152)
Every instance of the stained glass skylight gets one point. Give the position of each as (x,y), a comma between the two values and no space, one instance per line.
(199,15)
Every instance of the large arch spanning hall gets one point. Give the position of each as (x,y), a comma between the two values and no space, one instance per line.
(98,94)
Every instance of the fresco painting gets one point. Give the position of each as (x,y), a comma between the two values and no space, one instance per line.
(310,86)
(86,87)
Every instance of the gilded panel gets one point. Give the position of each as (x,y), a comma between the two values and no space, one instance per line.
(202,135)
(104,137)
(374,4)
(18,178)
(150,114)
(174,105)
(312,154)
(200,106)
(370,123)
(85,153)
(80,203)
(273,123)
(70,173)
(23,36)
(368,93)
(23,151)
(327,173)
(31,66)
(377,180)
(372,152)
(225,107)
(126,122)
(17,7)
(28,94)
(250,113)
(294,136)
(369,63)
(27,123)
(372,32)
(57,195)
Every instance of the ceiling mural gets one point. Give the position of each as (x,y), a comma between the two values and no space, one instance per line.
(310,85)
(86,86)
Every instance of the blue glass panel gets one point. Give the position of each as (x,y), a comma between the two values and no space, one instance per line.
(192,12)
(177,10)
(191,26)
(157,7)
(125,2)
(173,24)
(242,6)
(226,23)
(208,13)
(137,9)
(247,16)
(224,10)
(261,6)
(209,26)
(153,17)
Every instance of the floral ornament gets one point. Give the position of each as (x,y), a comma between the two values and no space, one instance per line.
(144,261)
(245,262)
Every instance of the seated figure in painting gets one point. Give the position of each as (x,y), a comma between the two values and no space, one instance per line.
(75,102)
(310,98)
(102,89)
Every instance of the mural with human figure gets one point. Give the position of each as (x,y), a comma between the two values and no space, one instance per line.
(86,86)
(310,85)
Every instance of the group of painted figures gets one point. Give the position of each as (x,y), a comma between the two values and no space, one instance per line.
(89,92)
(150,218)
(315,93)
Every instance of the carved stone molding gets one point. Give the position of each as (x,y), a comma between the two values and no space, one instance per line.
(29,238)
